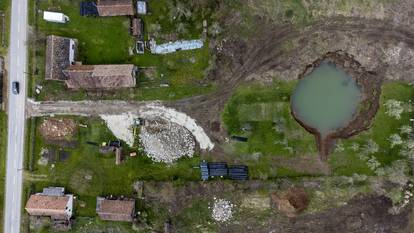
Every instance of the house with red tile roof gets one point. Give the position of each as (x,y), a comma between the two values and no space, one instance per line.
(114,7)
(115,209)
(52,202)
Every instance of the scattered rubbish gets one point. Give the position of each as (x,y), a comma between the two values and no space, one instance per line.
(115,143)
(106,149)
(63,155)
(92,143)
(239,139)
(139,121)
(222,210)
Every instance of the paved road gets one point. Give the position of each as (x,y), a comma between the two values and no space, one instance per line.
(16,113)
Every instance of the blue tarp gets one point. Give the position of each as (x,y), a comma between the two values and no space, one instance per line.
(176,46)
(88,9)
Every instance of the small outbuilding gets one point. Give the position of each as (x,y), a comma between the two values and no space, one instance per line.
(142,7)
(55,17)
(115,7)
(88,9)
(61,52)
(100,77)
(115,209)
(137,28)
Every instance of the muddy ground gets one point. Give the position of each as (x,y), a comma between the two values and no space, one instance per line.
(363,214)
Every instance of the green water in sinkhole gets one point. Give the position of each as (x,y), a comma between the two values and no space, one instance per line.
(326,99)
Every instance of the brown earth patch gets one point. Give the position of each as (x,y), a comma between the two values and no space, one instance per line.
(294,201)
(370,85)
(309,164)
(58,129)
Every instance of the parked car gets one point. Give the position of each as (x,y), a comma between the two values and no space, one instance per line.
(15,87)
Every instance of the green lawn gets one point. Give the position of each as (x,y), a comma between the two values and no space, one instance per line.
(264,114)
(3,148)
(106,40)
(5,8)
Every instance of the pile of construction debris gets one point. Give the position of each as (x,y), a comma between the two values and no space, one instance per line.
(222,210)
(58,128)
(165,141)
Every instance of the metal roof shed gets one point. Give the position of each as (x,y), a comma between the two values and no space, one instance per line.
(55,17)
(204,170)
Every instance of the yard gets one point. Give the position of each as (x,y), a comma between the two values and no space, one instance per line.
(262,114)
(106,40)
(87,173)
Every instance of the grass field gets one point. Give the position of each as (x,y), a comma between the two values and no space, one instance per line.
(106,40)
(5,8)
(264,114)
(3,148)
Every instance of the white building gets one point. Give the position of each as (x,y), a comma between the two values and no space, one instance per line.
(55,17)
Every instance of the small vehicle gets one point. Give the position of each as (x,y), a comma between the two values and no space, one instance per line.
(15,87)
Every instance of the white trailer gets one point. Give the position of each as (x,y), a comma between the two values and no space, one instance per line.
(55,17)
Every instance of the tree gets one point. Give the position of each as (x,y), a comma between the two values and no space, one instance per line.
(370,147)
(215,29)
(178,11)
(406,129)
(155,29)
(182,29)
(395,140)
(394,108)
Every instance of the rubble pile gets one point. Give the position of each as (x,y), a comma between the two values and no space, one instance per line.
(222,210)
(165,141)
(58,128)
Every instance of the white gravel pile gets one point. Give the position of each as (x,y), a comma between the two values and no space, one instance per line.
(222,210)
(165,141)
(121,126)
(179,118)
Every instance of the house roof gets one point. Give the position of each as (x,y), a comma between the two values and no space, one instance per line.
(115,7)
(58,56)
(121,207)
(100,76)
(43,202)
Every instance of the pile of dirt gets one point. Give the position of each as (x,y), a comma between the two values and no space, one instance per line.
(58,129)
(165,141)
(292,202)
